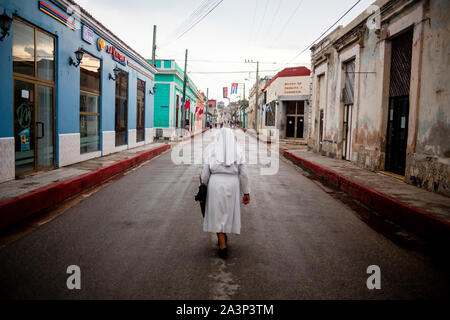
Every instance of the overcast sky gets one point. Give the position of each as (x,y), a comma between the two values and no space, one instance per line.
(265,30)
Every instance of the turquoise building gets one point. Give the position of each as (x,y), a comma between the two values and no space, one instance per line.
(168,97)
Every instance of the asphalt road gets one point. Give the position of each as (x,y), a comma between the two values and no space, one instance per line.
(141,238)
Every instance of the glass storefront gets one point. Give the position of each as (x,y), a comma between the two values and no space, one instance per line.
(90,70)
(34,76)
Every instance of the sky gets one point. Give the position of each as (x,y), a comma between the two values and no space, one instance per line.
(270,31)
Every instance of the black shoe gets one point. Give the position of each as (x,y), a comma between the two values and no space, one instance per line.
(223,253)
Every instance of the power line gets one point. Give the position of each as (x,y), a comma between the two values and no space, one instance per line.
(223,72)
(258,31)
(275,15)
(354,5)
(203,17)
(287,23)
(186,22)
(254,16)
(226,61)
(194,18)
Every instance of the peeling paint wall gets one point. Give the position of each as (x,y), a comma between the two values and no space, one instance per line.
(428,143)
(429,165)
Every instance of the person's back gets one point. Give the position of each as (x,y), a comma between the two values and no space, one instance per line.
(225,174)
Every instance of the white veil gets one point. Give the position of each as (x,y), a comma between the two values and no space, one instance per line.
(226,148)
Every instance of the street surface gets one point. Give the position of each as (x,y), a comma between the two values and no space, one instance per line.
(141,238)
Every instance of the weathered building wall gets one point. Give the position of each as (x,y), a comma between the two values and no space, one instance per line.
(429,165)
(428,140)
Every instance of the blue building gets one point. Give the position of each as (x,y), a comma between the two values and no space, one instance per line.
(70,89)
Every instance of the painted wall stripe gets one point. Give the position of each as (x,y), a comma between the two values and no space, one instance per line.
(137,68)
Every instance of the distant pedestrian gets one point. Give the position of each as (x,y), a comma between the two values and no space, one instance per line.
(225,174)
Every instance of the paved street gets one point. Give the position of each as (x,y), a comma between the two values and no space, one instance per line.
(141,238)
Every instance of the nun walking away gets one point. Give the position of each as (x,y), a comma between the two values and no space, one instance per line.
(225,174)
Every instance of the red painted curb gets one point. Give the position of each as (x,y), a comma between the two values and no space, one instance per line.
(16,209)
(412,218)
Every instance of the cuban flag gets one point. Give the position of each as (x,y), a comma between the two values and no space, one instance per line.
(225,92)
(234,88)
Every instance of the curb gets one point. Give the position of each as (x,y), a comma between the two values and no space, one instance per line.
(19,208)
(412,218)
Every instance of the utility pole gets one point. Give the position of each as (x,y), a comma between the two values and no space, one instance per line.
(243,115)
(257,94)
(206,113)
(184,90)
(154,46)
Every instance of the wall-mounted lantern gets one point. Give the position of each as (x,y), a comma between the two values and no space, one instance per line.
(154,90)
(116,74)
(79,56)
(5,24)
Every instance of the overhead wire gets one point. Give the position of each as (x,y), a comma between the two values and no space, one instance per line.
(258,30)
(275,15)
(323,33)
(277,37)
(205,8)
(186,22)
(215,5)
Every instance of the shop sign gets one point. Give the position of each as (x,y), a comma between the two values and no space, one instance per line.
(116,55)
(100,44)
(87,35)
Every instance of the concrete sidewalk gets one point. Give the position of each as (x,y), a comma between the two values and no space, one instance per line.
(21,198)
(425,213)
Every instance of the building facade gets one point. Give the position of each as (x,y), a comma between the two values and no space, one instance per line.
(256,112)
(70,89)
(380,95)
(211,112)
(168,111)
(199,112)
(285,102)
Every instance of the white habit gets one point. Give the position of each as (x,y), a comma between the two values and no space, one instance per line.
(225,174)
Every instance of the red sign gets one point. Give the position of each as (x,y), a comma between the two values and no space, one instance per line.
(116,55)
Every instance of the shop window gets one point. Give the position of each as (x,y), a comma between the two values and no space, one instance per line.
(33,52)
(90,69)
(290,107)
(121,126)
(140,111)
(45,56)
(23,48)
